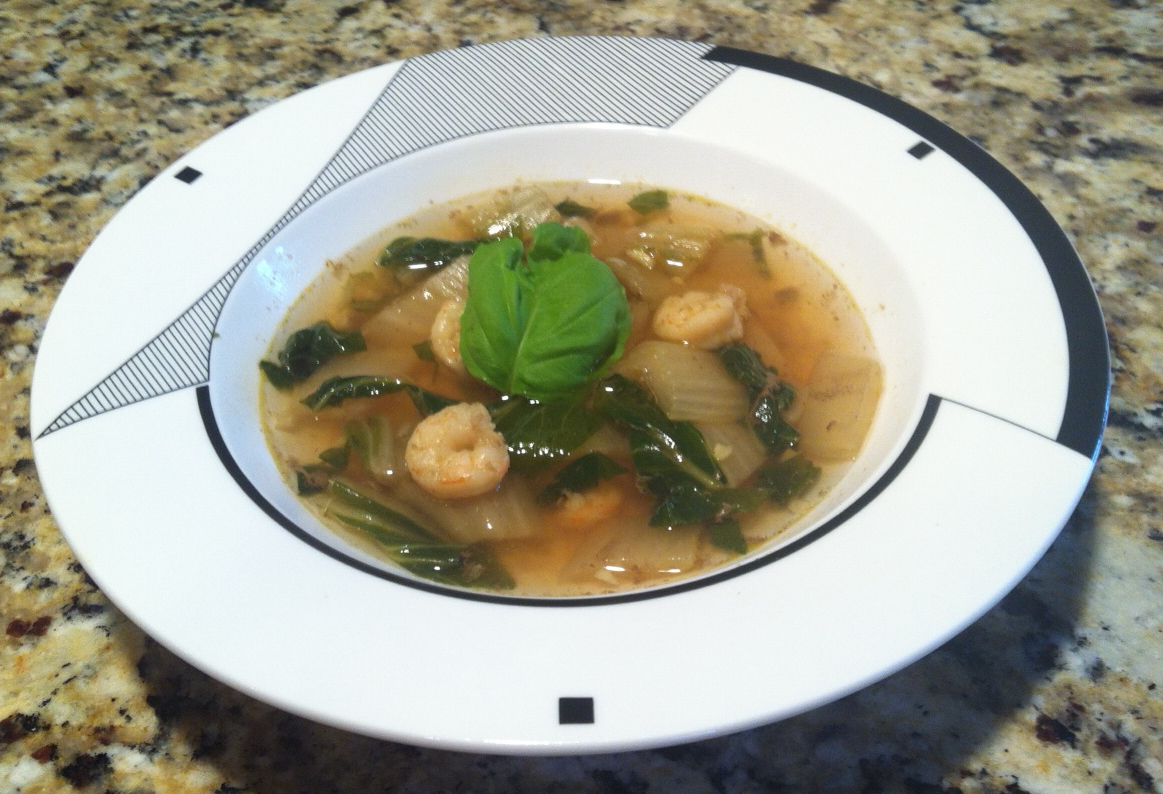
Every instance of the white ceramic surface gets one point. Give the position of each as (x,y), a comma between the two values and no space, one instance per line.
(148,446)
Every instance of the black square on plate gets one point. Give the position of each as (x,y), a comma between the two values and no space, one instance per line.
(188,175)
(575,711)
(921,150)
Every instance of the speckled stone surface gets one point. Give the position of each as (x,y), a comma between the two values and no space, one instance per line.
(1054,690)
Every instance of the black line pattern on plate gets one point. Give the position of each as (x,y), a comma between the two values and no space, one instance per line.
(433,99)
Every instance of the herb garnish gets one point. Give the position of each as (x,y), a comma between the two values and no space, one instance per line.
(545,324)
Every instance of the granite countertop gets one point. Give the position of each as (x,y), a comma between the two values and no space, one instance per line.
(1054,690)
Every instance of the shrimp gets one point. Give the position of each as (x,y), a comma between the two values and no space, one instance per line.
(704,319)
(445,336)
(456,452)
(583,509)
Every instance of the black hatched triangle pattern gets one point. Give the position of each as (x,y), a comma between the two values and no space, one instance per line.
(433,99)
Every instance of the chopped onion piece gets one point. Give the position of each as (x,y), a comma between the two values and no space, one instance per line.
(838,405)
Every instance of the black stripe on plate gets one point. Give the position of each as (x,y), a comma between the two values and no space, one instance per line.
(1088,390)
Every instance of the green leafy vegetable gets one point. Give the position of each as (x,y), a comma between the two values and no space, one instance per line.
(786,479)
(670,458)
(580,475)
(686,503)
(770,396)
(393,526)
(334,391)
(665,446)
(539,433)
(571,209)
(412,546)
(308,349)
(649,201)
(543,327)
(336,457)
(412,258)
(728,536)
(769,425)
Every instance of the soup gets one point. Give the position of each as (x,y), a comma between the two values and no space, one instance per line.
(569,389)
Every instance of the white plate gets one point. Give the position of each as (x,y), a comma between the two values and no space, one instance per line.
(149,450)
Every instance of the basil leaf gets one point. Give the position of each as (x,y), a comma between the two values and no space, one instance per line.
(786,479)
(544,329)
(552,241)
(539,433)
(308,349)
(334,391)
(578,325)
(495,313)
(580,475)
(649,201)
(571,209)
(412,257)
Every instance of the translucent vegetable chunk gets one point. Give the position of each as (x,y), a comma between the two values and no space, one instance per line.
(505,513)
(514,213)
(689,385)
(409,317)
(678,250)
(839,402)
(736,449)
(652,550)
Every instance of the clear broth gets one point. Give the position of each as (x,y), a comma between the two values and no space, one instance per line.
(798,311)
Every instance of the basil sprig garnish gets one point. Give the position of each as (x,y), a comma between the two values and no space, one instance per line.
(542,324)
